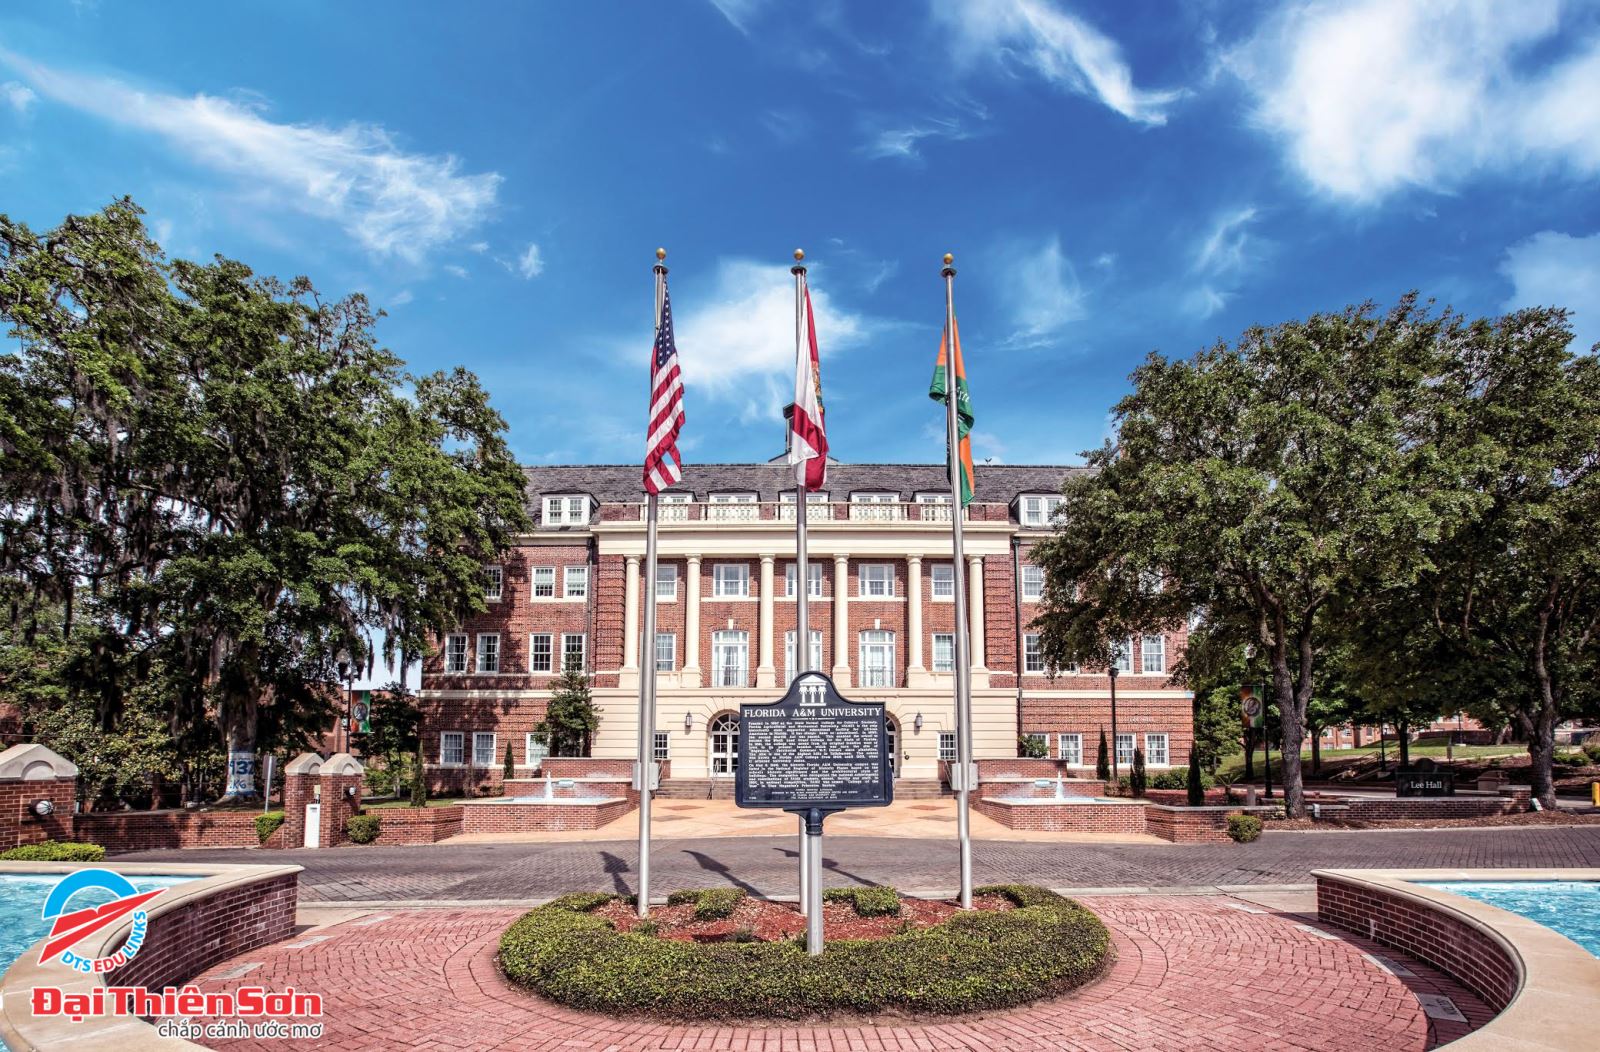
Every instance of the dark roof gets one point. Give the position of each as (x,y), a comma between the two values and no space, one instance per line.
(619,483)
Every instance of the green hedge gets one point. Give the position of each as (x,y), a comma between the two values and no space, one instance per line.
(55,851)
(709,903)
(868,902)
(979,960)
(267,823)
(362,829)
(1244,828)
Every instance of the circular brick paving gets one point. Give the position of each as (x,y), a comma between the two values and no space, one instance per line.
(1192,973)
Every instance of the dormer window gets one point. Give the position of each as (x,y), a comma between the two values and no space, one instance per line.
(733,507)
(1039,509)
(876,507)
(566,511)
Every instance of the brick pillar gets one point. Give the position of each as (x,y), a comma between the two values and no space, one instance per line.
(341,777)
(37,791)
(300,787)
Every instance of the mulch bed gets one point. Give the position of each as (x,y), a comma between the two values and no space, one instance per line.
(761,920)
(1529,818)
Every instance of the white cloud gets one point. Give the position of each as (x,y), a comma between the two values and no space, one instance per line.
(904,142)
(740,13)
(18,96)
(401,298)
(531,263)
(1062,48)
(392,202)
(1226,252)
(745,329)
(1040,287)
(455,270)
(1376,96)
(1552,269)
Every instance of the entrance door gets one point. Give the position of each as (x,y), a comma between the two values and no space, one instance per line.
(894,746)
(725,746)
(313,825)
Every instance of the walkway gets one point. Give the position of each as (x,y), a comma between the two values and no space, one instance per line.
(1192,973)
(766,865)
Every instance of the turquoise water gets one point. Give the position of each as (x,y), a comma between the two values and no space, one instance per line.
(22,900)
(1571,907)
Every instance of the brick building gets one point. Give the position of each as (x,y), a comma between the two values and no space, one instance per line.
(882,617)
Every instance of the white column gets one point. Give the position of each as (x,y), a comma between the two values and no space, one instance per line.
(914,613)
(841,620)
(691,623)
(975,610)
(766,675)
(630,624)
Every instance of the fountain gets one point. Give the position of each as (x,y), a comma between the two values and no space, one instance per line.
(549,788)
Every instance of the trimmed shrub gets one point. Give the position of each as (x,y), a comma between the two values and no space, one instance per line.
(717,903)
(974,961)
(1244,828)
(267,824)
(1102,761)
(362,829)
(868,902)
(55,851)
(1136,780)
(681,898)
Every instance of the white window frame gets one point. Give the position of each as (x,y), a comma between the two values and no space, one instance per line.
(1041,738)
(666,574)
(879,641)
(1032,656)
(933,507)
(1165,741)
(566,510)
(733,507)
(1132,741)
(1037,509)
(460,742)
(876,506)
(457,659)
(549,653)
(542,589)
(813,575)
(866,582)
(948,662)
(1124,660)
(575,582)
(946,594)
(816,506)
(583,650)
(495,589)
(478,663)
(789,670)
(674,507)
(533,750)
(721,574)
(1153,646)
(1032,583)
(737,643)
(947,746)
(671,639)
(478,736)
(661,747)
(1072,755)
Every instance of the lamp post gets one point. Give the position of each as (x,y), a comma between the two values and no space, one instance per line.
(1114,772)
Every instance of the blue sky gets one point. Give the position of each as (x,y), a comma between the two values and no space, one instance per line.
(1113,179)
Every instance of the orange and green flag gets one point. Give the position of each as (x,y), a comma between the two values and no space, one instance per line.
(939,392)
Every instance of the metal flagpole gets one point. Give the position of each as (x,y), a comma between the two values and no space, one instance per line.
(963,674)
(802,576)
(647,660)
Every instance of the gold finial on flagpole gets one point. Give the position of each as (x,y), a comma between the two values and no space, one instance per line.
(948,259)
(799,254)
(661,253)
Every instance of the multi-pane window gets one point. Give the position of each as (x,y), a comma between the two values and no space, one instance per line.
(495,583)
(790,669)
(1040,744)
(730,579)
(876,507)
(1032,657)
(1037,510)
(1032,583)
(452,748)
(666,582)
(1125,748)
(534,750)
(674,507)
(816,506)
(876,579)
(730,659)
(455,653)
(572,650)
(666,651)
(1149,582)
(944,580)
(488,652)
(947,746)
(933,507)
(1153,655)
(483,749)
(1155,750)
(540,656)
(662,751)
(576,582)
(566,511)
(1122,657)
(1070,748)
(544,582)
(877,659)
(944,652)
(733,507)
(813,575)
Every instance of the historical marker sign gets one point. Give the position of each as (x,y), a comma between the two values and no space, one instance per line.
(812,748)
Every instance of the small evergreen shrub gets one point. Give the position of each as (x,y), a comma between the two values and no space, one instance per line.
(1591,748)
(1136,780)
(267,824)
(1102,759)
(717,903)
(362,829)
(868,902)
(683,898)
(645,927)
(1244,828)
(55,851)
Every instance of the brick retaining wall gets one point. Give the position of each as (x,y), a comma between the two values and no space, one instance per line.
(1511,800)
(541,818)
(1215,796)
(185,940)
(122,831)
(417,825)
(20,826)
(1196,825)
(1444,940)
(1092,818)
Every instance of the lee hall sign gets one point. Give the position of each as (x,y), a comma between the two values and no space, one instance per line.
(813,748)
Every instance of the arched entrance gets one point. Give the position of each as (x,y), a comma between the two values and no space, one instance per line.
(724,733)
(893,730)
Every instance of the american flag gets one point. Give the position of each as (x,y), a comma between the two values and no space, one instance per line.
(662,466)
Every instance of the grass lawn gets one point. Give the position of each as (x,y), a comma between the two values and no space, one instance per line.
(1335,760)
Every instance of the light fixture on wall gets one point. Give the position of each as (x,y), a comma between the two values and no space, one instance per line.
(688,722)
(42,808)
(917,723)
